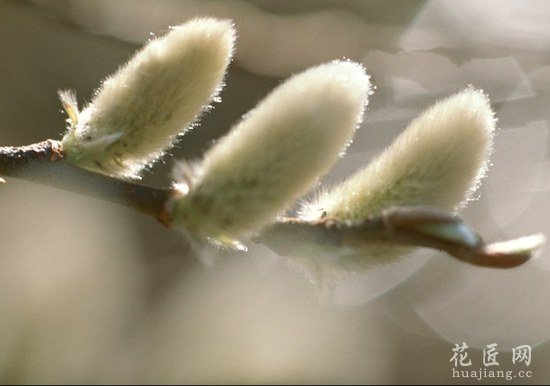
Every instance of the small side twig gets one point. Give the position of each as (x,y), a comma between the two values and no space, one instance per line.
(418,226)
(44,163)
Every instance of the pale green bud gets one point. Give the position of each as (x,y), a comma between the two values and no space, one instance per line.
(139,111)
(439,160)
(276,153)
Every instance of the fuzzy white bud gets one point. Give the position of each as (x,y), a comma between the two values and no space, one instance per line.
(276,153)
(138,112)
(439,160)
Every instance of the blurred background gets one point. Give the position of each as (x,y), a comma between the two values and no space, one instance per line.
(93,292)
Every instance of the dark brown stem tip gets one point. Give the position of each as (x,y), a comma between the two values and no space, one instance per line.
(506,254)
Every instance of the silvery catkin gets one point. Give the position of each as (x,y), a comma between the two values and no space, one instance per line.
(276,153)
(138,112)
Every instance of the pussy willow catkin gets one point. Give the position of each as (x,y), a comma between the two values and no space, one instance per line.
(137,113)
(276,153)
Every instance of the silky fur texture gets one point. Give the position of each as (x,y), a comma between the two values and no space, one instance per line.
(276,153)
(439,160)
(138,112)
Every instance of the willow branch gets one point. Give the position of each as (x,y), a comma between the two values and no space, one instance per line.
(44,163)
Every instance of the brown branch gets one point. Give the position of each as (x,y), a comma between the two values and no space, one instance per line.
(413,226)
(44,163)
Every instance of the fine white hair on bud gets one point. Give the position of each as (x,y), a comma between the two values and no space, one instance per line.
(276,153)
(139,111)
(439,160)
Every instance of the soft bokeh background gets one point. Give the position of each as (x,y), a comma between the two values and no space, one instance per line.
(92,292)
